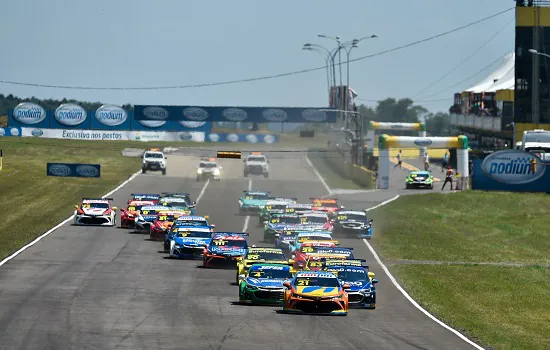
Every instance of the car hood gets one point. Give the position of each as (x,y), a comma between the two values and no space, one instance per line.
(313,291)
(228,250)
(191,240)
(148,218)
(160,160)
(265,282)
(164,224)
(358,285)
(94,211)
(132,213)
(254,163)
(248,263)
(353,222)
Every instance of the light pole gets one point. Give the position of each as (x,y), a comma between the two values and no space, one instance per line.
(328,59)
(354,43)
(361,142)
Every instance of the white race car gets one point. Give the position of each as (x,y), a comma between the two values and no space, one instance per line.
(95,211)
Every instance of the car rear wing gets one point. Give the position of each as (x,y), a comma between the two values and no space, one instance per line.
(96,199)
(352,262)
(231,233)
(283,198)
(327,200)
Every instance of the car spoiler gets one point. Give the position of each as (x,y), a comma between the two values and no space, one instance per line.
(231,233)
(350,263)
(276,198)
(96,199)
(323,199)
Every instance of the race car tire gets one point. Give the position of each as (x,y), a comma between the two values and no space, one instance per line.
(408,187)
(431,187)
(241,212)
(245,174)
(164,172)
(143,170)
(266,175)
(198,179)
(166,246)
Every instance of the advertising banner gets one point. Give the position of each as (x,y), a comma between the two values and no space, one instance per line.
(28,114)
(110,117)
(170,125)
(16,132)
(511,171)
(73,170)
(233,114)
(246,138)
(70,116)
(122,135)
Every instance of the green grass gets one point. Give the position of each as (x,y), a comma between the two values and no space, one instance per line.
(3,121)
(503,307)
(333,179)
(469,226)
(32,202)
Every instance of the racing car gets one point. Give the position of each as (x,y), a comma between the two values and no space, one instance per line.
(260,255)
(149,197)
(362,291)
(419,179)
(208,169)
(163,223)
(308,236)
(329,206)
(284,199)
(271,207)
(178,203)
(312,248)
(318,220)
(298,208)
(277,223)
(316,261)
(95,211)
(189,241)
(252,202)
(224,248)
(186,222)
(128,216)
(263,284)
(190,203)
(315,292)
(147,216)
(352,221)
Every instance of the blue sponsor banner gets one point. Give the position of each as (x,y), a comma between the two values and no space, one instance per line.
(171,125)
(511,171)
(110,117)
(73,170)
(235,114)
(70,116)
(13,131)
(245,138)
(28,114)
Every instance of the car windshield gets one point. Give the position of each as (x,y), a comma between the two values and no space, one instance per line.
(540,137)
(281,220)
(229,243)
(95,205)
(314,238)
(256,159)
(420,174)
(148,212)
(326,205)
(259,196)
(355,275)
(317,282)
(275,272)
(208,165)
(355,217)
(255,255)
(134,207)
(192,223)
(275,206)
(193,234)
(153,155)
(171,204)
(314,219)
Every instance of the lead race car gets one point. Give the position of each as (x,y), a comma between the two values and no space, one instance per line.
(419,179)
(189,241)
(252,202)
(95,211)
(263,284)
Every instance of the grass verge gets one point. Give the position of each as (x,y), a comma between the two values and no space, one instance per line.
(502,306)
(332,178)
(32,202)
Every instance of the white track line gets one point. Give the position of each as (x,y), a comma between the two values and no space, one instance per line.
(203,189)
(247,218)
(319,176)
(409,298)
(63,222)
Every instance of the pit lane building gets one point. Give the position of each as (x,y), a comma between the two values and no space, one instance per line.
(516,95)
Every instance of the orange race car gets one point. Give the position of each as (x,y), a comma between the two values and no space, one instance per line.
(163,223)
(316,292)
(329,206)
(128,216)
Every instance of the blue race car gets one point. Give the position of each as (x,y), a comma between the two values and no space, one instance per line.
(277,223)
(147,217)
(225,248)
(309,236)
(352,221)
(362,291)
(252,202)
(189,241)
(186,221)
(180,202)
(264,284)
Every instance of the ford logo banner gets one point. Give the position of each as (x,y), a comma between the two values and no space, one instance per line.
(73,170)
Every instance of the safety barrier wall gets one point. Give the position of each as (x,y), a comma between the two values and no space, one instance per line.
(360,175)
(15,132)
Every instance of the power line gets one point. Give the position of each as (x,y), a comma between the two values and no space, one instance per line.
(466,59)
(237,81)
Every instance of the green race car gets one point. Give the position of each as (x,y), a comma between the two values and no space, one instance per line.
(274,206)
(419,179)
(252,202)
(264,284)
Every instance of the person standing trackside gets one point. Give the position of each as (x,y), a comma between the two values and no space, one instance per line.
(448,178)
(399,160)
(445,162)
(426,161)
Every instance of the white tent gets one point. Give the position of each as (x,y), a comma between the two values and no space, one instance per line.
(497,76)
(507,82)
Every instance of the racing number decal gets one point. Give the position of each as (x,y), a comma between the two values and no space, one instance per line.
(342,217)
(145,212)
(85,206)
(249,197)
(253,257)
(315,264)
(303,282)
(289,210)
(131,208)
(257,274)
(219,242)
(268,207)
(163,218)
(307,250)
(184,234)
(303,220)
(274,221)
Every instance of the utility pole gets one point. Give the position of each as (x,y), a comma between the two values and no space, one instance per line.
(535,78)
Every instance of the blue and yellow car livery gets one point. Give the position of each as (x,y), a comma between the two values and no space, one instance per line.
(263,284)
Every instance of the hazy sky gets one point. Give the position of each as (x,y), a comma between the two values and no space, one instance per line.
(134,43)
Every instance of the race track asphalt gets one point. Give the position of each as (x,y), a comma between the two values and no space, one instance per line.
(108,288)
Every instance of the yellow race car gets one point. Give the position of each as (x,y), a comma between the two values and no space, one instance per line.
(256,255)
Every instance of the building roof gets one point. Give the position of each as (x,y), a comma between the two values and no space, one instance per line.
(500,79)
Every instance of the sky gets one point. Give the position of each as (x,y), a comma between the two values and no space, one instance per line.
(151,43)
